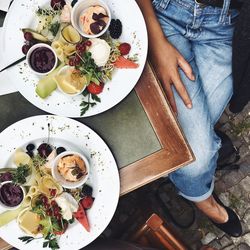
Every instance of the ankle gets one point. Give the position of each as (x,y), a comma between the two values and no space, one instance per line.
(213,210)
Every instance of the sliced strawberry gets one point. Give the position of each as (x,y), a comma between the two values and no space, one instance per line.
(87,202)
(124,48)
(94,88)
(81,216)
(123,63)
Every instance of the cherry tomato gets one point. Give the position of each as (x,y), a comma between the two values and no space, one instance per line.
(64,228)
(95,89)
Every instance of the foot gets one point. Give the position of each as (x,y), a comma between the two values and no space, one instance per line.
(213,210)
(222,217)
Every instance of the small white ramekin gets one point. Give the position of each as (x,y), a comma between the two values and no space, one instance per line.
(39,45)
(60,89)
(17,206)
(78,9)
(57,176)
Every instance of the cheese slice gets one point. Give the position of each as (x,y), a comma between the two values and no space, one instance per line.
(29,222)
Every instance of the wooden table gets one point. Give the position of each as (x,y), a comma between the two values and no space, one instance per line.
(175,151)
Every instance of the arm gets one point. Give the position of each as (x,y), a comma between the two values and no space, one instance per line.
(166,67)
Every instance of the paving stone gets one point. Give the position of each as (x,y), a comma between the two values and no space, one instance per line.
(246,239)
(225,241)
(220,186)
(246,217)
(245,184)
(245,167)
(225,198)
(215,244)
(246,137)
(231,178)
(244,151)
(224,118)
(231,247)
(208,238)
(243,246)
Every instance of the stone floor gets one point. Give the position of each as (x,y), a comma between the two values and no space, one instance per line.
(233,187)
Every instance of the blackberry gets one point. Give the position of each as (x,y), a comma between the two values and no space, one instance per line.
(87,190)
(115,28)
(60,150)
(30,147)
(74,2)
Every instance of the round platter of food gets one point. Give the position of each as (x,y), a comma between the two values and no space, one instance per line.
(82,57)
(59,184)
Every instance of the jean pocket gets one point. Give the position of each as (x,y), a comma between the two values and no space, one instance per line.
(233,16)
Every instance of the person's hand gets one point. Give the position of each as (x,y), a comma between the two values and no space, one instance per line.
(166,60)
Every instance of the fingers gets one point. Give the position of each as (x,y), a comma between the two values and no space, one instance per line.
(185,66)
(180,88)
(170,96)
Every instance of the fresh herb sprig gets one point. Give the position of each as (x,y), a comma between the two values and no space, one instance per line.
(91,101)
(26,239)
(19,176)
(54,27)
(47,12)
(51,241)
(88,67)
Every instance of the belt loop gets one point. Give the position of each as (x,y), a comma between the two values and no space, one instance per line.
(164,4)
(225,10)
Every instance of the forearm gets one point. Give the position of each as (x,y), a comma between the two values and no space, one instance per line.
(155,32)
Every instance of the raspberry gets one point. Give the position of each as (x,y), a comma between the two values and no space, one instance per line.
(124,48)
(87,202)
(115,28)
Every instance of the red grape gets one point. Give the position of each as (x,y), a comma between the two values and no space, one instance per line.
(57,4)
(28,36)
(25,49)
(44,150)
(88,43)
(72,61)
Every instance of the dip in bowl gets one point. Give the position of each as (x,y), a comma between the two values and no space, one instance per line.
(70,169)
(41,59)
(70,82)
(11,195)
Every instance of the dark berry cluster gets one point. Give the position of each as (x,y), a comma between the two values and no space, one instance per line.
(115,28)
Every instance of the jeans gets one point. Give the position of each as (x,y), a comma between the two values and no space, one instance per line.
(203,35)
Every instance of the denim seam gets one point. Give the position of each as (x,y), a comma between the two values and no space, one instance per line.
(180,3)
(224,18)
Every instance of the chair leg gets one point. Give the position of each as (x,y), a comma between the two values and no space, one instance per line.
(166,237)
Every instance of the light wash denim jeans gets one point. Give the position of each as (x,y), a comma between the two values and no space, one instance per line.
(203,35)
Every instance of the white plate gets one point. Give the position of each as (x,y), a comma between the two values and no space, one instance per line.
(22,15)
(104,176)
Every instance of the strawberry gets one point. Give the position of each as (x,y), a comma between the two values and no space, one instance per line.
(124,48)
(87,202)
